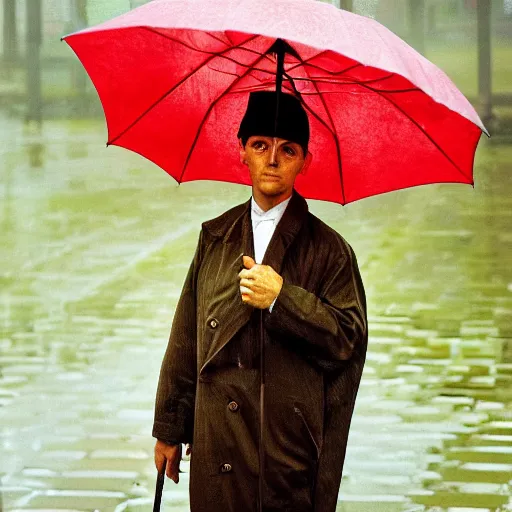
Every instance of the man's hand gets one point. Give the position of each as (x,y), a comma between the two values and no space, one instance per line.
(259,284)
(169,454)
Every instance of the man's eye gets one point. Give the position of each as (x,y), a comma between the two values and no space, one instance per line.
(259,145)
(289,150)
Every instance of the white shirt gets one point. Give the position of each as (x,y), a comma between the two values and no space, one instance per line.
(263,227)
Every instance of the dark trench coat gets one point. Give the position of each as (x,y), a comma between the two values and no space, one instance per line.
(315,348)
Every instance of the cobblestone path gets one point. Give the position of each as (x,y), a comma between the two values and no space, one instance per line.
(95,246)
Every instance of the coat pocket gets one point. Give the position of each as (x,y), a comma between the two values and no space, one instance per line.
(316,445)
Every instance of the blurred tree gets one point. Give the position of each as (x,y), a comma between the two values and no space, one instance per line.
(81,10)
(78,73)
(484,60)
(101,10)
(347,5)
(416,13)
(10,46)
(366,7)
(78,10)
(33,60)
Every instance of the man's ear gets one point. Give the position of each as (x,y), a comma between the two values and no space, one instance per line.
(243,161)
(307,163)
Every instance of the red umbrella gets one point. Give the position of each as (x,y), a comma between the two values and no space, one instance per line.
(173,77)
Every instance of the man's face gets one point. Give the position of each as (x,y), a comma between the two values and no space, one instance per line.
(273,164)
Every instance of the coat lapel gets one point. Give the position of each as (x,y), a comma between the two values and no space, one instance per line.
(238,237)
(293,218)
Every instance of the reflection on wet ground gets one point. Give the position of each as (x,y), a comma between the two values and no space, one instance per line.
(95,246)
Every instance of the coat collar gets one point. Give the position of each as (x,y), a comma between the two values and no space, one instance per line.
(235,229)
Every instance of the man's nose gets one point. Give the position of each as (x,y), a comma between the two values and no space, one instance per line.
(273,154)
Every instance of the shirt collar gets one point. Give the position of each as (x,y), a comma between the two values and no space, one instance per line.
(274,212)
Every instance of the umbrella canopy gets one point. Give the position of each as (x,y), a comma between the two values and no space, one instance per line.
(173,77)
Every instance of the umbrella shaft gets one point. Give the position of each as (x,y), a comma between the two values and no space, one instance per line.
(262,415)
(279,79)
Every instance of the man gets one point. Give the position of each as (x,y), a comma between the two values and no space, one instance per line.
(304,294)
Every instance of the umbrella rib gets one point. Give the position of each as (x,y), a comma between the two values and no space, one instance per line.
(207,114)
(220,54)
(225,72)
(354,83)
(308,59)
(390,91)
(186,77)
(381,93)
(252,88)
(323,80)
(267,56)
(334,133)
(332,73)
(215,54)
(327,80)
(241,64)
(398,91)
(319,80)
(373,80)
(309,109)
(219,39)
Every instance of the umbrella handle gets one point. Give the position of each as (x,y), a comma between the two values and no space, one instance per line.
(158,491)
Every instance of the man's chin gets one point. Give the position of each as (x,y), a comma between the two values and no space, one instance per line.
(271,189)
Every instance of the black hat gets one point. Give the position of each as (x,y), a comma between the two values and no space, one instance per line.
(259,118)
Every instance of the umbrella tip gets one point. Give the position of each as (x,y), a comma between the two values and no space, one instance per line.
(107,144)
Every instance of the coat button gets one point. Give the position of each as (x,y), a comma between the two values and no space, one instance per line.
(213,323)
(226,468)
(233,406)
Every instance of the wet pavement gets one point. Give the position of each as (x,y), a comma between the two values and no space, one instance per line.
(95,246)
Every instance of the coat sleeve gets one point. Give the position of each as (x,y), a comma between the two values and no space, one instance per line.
(175,397)
(326,328)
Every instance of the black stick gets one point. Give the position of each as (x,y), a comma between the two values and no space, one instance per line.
(280,50)
(158,492)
